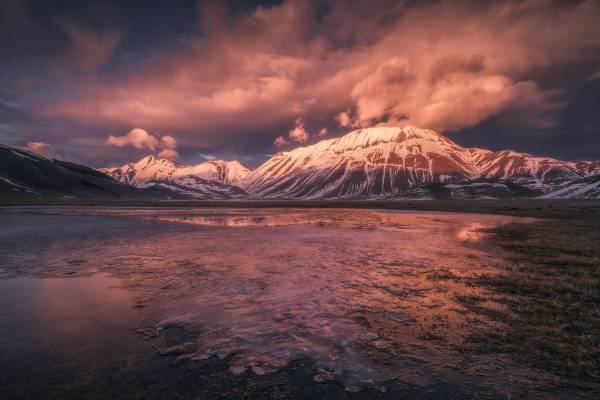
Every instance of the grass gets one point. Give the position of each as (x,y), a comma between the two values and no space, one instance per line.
(517,207)
(550,284)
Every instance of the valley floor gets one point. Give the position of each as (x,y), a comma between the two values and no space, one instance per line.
(538,208)
(543,302)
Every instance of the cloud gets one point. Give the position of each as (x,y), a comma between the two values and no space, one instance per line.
(280,141)
(445,65)
(88,49)
(298,134)
(169,154)
(344,119)
(168,142)
(458,94)
(43,149)
(593,77)
(207,156)
(138,138)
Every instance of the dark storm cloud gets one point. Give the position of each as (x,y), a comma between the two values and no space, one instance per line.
(227,78)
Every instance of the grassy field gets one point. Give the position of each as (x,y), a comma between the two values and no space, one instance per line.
(551,285)
(519,207)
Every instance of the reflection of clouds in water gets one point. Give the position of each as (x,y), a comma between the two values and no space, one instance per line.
(68,320)
(222,221)
(348,288)
(474,232)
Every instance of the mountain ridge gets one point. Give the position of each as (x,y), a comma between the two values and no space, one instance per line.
(26,174)
(393,162)
(369,163)
(213,179)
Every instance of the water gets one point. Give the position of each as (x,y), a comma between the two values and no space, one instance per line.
(351,290)
(63,329)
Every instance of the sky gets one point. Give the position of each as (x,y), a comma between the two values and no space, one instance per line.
(108,82)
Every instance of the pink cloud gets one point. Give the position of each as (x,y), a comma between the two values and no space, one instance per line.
(168,142)
(141,139)
(344,119)
(138,138)
(43,149)
(298,134)
(169,154)
(280,141)
(446,65)
(456,95)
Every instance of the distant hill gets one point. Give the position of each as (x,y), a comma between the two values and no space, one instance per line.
(25,174)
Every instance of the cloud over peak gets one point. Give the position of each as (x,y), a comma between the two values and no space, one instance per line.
(168,154)
(140,139)
(298,135)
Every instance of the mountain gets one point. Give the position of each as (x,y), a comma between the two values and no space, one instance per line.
(215,179)
(391,162)
(25,174)
(588,187)
(372,163)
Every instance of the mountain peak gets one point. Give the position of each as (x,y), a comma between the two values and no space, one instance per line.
(370,162)
(394,134)
(152,169)
(392,161)
(154,161)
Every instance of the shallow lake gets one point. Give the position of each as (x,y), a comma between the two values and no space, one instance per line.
(94,297)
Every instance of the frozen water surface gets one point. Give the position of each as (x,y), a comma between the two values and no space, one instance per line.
(349,289)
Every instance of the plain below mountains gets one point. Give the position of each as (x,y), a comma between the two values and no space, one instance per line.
(372,163)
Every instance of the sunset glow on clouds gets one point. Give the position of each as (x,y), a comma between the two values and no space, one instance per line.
(43,149)
(298,135)
(249,75)
(140,139)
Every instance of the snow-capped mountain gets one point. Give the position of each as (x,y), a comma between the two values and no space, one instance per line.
(216,179)
(527,170)
(407,162)
(381,162)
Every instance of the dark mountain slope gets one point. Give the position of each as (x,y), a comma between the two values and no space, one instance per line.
(23,173)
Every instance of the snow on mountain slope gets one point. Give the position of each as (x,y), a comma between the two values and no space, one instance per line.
(211,179)
(366,162)
(152,168)
(584,188)
(381,162)
(527,170)
(392,162)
